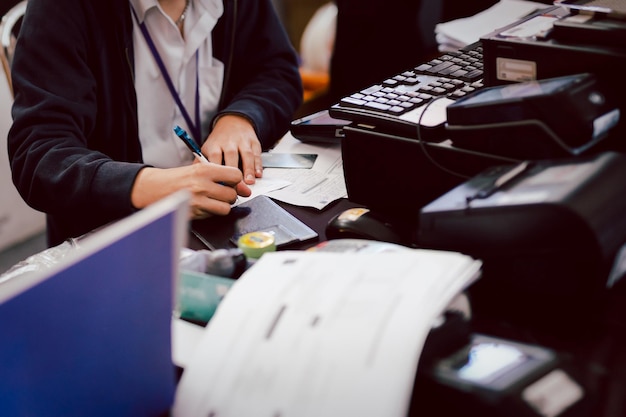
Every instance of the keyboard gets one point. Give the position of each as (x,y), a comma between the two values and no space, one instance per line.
(396,105)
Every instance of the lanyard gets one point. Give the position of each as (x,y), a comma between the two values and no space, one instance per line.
(194,127)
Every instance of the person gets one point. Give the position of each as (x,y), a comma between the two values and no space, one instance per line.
(100,85)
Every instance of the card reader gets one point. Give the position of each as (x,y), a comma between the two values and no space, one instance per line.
(554,117)
(492,376)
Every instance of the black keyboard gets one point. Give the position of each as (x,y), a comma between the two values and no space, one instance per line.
(396,105)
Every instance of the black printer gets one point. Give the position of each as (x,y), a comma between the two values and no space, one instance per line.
(547,231)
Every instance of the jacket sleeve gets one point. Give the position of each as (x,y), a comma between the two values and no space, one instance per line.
(62,162)
(262,81)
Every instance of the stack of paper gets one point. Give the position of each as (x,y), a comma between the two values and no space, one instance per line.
(458,33)
(321,334)
(316,187)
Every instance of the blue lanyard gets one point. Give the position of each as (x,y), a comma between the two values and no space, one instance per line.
(193,127)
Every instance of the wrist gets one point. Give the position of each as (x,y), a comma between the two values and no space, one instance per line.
(144,191)
(238,118)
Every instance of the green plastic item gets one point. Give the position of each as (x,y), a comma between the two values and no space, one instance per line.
(199,295)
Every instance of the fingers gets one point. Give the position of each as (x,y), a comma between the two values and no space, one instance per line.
(234,143)
(214,189)
(243,190)
(230,155)
(251,165)
(203,206)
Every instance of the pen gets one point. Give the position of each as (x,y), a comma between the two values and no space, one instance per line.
(191,144)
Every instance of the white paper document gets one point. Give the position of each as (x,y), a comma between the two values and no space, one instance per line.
(315,187)
(458,33)
(264,186)
(321,334)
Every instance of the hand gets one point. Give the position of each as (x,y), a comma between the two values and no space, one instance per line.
(214,188)
(233,137)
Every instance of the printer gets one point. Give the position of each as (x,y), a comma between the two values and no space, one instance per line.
(548,233)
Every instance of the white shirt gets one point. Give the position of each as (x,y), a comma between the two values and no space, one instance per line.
(157,110)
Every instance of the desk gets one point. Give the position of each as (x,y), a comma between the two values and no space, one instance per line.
(596,356)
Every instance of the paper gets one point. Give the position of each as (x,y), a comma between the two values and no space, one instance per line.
(458,33)
(310,189)
(263,186)
(185,338)
(288,160)
(316,187)
(321,334)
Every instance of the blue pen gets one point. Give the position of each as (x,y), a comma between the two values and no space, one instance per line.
(191,144)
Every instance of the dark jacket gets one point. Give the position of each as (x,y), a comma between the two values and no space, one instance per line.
(74,146)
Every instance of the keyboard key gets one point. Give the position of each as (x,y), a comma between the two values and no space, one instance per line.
(452,75)
(425,96)
(422,69)
(352,102)
(371,90)
(438,69)
(377,106)
(473,75)
(459,73)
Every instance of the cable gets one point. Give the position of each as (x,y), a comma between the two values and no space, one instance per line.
(532,123)
(423,146)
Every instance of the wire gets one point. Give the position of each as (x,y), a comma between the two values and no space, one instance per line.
(423,146)
(532,123)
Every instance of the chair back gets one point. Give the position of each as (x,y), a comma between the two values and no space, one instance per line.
(9,28)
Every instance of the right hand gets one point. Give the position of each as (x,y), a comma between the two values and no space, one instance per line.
(214,188)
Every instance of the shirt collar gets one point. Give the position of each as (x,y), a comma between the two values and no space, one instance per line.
(142,6)
(214,7)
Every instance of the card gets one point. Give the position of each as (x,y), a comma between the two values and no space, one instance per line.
(288,160)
